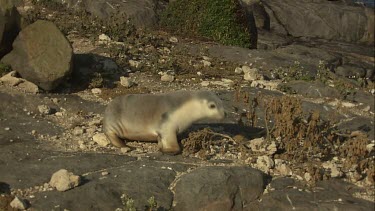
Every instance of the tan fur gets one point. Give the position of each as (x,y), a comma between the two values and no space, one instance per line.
(159,117)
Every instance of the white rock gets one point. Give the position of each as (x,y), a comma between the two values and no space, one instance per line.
(284,169)
(96,91)
(206,58)
(370,147)
(135,64)
(103,38)
(335,170)
(205,83)
(125,149)
(11,79)
(18,203)
(167,78)
(100,139)
(206,63)
(95,122)
(272,148)
(63,180)
(251,74)
(126,82)
(265,163)
(90,131)
(257,145)
(228,81)
(43,109)
(307,176)
(173,39)
(28,87)
(270,85)
(238,70)
(59,113)
(77,131)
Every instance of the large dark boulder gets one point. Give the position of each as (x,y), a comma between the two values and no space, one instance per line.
(329,20)
(218,188)
(41,54)
(10,21)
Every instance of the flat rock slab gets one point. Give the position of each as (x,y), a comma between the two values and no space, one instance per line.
(327,195)
(24,165)
(41,54)
(218,188)
(139,180)
(311,19)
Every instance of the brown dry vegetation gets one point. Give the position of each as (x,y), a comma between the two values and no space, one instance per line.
(304,140)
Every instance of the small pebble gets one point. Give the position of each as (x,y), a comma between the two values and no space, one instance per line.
(96,91)
(125,149)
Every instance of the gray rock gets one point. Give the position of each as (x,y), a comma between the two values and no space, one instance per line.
(350,71)
(10,25)
(218,188)
(44,109)
(314,89)
(63,180)
(324,20)
(139,180)
(328,195)
(41,54)
(142,13)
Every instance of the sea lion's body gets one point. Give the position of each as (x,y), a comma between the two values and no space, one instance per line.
(152,117)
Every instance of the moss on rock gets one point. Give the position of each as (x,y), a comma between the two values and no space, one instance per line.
(224,21)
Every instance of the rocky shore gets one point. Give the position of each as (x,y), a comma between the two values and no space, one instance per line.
(300,101)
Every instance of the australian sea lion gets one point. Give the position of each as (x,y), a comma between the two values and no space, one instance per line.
(158,117)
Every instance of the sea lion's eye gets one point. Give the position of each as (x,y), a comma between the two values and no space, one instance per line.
(212,106)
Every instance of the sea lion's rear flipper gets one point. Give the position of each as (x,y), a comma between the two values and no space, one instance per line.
(115,140)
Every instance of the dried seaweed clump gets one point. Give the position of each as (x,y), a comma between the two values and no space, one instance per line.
(300,137)
(198,141)
(357,156)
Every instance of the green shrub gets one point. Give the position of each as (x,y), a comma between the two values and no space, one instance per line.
(224,21)
(4,69)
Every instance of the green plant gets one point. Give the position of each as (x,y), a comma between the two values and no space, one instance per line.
(96,81)
(128,203)
(152,204)
(4,69)
(224,21)
(293,72)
